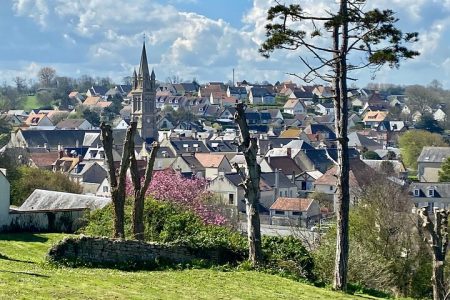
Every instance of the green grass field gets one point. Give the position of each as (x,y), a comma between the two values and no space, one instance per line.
(24,274)
(30,103)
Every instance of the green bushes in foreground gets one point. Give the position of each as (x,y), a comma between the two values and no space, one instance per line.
(168,223)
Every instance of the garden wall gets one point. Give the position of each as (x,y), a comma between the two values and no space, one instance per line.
(110,252)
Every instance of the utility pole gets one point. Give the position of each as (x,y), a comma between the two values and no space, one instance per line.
(233,76)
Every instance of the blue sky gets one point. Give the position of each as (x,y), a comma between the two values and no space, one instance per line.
(204,39)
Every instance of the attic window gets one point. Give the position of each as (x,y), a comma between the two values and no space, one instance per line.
(416,192)
(431,192)
(279,212)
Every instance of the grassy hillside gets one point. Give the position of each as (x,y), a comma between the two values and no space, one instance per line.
(25,275)
(30,103)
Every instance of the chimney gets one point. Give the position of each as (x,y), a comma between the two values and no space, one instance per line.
(289,152)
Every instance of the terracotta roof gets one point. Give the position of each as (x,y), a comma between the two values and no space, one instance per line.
(45,159)
(290,133)
(91,100)
(209,160)
(103,104)
(73,94)
(291,103)
(291,204)
(34,119)
(375,116)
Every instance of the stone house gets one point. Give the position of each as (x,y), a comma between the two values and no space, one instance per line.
(429,163)
(295,212)
(74,124)
(305,181)
(431,195)
(227,188)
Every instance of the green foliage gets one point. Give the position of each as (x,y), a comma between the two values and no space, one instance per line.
(24,180)
(428,123)
(44,98)
(386,251)
(92,117)
(168,223)
(412,142)
(288,256)
(371,155)
(444,172)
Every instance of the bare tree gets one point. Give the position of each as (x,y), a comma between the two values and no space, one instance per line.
(46,76)
(438,243)
(117,178)
(140,187)
(21,84)
(250,182)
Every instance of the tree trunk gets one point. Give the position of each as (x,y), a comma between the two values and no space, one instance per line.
(343,166)
(438,243)
(438,279)
(140,189)
(250,182)
(117,181)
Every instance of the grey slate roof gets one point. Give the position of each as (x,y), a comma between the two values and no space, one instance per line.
(51,200)
(283,181)
(441,189)
(434,154)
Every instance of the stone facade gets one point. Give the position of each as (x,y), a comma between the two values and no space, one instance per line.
(111,252)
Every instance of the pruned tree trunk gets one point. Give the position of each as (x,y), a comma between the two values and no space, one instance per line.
(250,182)
(117,180)
(140,188)
(343,166)
(438,243)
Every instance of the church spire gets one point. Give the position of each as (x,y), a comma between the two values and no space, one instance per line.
(144,74)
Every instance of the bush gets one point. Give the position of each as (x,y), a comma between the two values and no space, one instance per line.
(168,222)
(287,256)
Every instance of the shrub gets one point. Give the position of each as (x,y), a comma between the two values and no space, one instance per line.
(287,256)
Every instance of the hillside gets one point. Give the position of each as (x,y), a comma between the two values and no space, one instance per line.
(24,275)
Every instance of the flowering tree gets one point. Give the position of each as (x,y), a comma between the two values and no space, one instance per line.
(190,193)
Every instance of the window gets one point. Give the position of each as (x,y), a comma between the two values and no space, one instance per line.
(105,189)
(331,187)
(296,213)
(281,194)
(431,192)
(285,193)
(279,212)
(230,199)
(416,192)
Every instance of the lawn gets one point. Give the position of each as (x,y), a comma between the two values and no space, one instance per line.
(25,275)
(30,103)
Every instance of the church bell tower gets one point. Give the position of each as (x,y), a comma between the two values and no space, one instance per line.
(143,95)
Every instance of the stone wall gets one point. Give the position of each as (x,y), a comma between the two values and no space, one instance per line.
(42,221)
(111,252)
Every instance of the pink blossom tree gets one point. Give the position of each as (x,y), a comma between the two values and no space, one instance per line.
(191,193)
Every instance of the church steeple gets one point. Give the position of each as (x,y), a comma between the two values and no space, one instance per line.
(144,74)
(143,100)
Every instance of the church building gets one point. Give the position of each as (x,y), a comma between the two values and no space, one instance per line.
(143,95)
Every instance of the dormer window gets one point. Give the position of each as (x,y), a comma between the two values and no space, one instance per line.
(416,192)
(430,192)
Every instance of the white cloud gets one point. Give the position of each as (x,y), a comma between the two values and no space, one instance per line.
(35,9)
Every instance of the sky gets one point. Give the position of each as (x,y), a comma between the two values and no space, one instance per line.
(202,39)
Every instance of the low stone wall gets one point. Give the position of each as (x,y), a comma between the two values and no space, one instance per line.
(113,252)
(42,221)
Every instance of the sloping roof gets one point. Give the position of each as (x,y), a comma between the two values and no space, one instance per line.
(360,174)
(208,160)
(434,154)
(441,189)
(377,164)
(359,140)
(286,164)
(70,123)
(283,181)
(43,159)
(291,204)
(34,119)
(50,200)
(290,133)
(291,103)
(91,100)
(375,116)
(236,179)
(260,92)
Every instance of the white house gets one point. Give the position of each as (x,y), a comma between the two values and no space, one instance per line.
(325,108)
(295,211)
(259,95)
(294,107)
(439,115)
